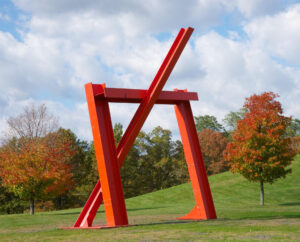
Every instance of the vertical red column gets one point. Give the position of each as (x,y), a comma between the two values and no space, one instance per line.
(204,208)
(108,166)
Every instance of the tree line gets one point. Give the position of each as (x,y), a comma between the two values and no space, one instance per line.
(51,168)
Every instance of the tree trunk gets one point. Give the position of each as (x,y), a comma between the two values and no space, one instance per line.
(262,193)
(60,202)
(31,206)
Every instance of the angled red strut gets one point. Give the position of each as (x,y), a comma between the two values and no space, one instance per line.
(110,158)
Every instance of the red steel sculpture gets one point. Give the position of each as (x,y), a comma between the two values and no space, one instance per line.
(110,158)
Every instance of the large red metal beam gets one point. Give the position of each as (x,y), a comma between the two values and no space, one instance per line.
(153,92)
(123,95)
(108,165)
(204,208)
(90,208)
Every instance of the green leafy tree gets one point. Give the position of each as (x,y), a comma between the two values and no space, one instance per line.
(129,170)
(293,130)
(89,169)
(134,170)
(180,169)
(149,165)
(231,120)
(159,154)
(153,162)
(118,132)
(208,122)
(9,202)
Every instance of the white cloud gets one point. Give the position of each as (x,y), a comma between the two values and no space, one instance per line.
(278,34)
(258,7)
(67,44)
(76,118)
(155,15)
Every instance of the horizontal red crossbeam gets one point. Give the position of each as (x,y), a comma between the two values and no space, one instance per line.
(123,95)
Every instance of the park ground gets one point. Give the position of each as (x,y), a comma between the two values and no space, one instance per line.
(152,216)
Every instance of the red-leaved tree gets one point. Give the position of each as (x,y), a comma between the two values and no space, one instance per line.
(36,168)
(213,145)
(259,150)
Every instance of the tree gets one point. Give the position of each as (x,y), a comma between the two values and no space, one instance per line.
(36,169)
(147,165)
(9,202)
(33,156)
(80,163)
(34,122)
(213,145)
(231,120)
(87,183)
(259,151)
(293,130)
(128,170)
(118,132)
(180,169)
(133,170)
(159,151)
(154,162)
(208,122)
(296,144)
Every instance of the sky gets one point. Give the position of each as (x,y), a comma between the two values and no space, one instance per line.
(50,49)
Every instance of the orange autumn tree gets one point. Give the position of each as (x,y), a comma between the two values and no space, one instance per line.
(259,150)
(33,159)
(36,169)
(213,145)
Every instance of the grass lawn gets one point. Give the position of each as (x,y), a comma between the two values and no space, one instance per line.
(240,217)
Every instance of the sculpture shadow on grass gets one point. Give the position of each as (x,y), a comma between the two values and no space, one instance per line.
(98,212)
(165,222)
(264,217)
(290,204)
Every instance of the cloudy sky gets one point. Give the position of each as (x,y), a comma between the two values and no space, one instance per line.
(50,49)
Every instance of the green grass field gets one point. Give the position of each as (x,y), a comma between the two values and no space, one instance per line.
(240,217)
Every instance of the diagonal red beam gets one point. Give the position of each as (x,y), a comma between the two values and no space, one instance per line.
(153,92)
(138,120)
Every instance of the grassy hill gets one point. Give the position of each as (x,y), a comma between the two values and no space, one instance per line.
(240,216)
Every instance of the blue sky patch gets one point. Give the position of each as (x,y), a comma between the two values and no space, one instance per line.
(11,18)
